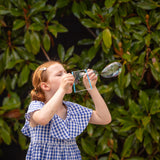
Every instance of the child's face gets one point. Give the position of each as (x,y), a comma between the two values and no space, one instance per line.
(55,73)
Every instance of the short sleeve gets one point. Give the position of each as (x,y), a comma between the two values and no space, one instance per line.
(77,120)
(81,115)
(34,106)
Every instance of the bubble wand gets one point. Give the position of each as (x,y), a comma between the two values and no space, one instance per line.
(110,71)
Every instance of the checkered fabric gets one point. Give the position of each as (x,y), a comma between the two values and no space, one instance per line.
(56,140)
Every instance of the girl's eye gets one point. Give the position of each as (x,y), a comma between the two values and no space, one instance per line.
(60,74)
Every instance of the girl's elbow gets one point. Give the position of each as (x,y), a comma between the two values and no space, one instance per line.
(108,120)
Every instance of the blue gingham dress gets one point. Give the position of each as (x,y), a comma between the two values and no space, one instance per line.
(56,140)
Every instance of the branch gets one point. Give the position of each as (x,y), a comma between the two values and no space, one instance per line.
(92,33)
(45,53)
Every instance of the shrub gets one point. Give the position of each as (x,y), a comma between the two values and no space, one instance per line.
(127,31)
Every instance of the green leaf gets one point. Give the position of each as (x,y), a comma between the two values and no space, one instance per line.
(53,30)
(46,42)
(102,146)
(23,78)
(133,21)
(90,130)
(88,146)
(127,80)
(128,126)
(147,143)
(11,64)
(22,141)
(76,9)
(14,81)
(109,3)
(146,120)
(3,85)
(69,53)
(57,28)
(15,55)
(51,14)
(11,102)
(90,24)
(85,42)
(147,5)
(17,24)
(61,3)
(148,40)
(125,0)
(155,106)
(155,73)
(16,12)
(5,135)
(61,52)
(6,56)
(158,26)
(98,40)
(154,133)
(24,54)
(3,10)
(92,52)
(149,148)
(136,158)
(139,134)
(134,108)
(127,145)
(37,7)
(27,41)
(144,100)
(36,27)
(107,38)
(35,42)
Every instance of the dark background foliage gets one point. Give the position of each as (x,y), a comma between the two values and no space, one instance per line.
(85,34)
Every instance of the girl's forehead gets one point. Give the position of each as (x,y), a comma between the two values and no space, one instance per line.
(55,67)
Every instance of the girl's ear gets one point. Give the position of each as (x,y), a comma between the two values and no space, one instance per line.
(45,86)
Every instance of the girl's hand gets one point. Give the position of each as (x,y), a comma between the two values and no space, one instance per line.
(67,83)
(93,79)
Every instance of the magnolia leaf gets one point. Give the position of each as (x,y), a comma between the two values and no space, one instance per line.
(88,146)
(18,23)
(23,78)
(109,3)
(61,52)
(107,38)
(76,9)
(69,53)
(35,42)
(127,145)
(46,42)
(133,21)
(139,134)
(146,120)
(5,135)
(27,41)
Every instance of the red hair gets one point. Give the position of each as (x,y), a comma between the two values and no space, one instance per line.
(40,75)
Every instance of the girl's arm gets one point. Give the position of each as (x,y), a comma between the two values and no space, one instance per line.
(55,102)
(101,114)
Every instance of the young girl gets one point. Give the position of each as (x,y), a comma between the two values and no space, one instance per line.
(53,124)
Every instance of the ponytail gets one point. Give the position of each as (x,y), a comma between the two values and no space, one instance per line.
(37,95)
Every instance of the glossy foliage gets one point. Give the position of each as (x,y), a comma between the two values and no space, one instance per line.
(127,31)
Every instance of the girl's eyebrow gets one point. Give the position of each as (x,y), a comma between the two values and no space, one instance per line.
(62,71)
